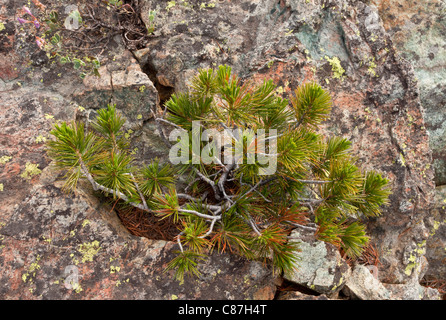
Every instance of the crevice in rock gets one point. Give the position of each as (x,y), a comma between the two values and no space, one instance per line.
(287,285)
(164,92)
(142,224)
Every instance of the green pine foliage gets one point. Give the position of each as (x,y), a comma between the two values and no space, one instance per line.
(229,205)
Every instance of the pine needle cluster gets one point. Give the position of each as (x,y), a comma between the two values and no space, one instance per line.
(229,205)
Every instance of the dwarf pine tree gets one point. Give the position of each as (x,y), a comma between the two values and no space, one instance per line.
(256,167)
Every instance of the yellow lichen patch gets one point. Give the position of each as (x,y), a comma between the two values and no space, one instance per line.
(5,159)
(74,259)
(40,138)
(128,133)
(279,90)
(402,160)
(1,187)
(409,268)
(336,67)
(89,250)
(372,67)
(114,269)
(76,287)
(31,170)
(31,273)
(85,222)
(435,227)
(170,5)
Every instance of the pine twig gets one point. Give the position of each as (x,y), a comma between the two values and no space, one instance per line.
(96,186)
(201,215)
(140,193)
(211,228)
(208,181)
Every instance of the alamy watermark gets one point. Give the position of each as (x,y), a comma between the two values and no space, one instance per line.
(230,146)
(74,19)
(71,281)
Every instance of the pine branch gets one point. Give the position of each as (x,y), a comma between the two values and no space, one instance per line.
(314,181)
(96,186)
(308,228)
(143,199)
(214,208)
(211,228)
(201,215)
(208,181)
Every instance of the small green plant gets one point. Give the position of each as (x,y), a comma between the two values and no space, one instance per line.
(151,22)
(256,165)
(115,3)
(80,36)
(53,35)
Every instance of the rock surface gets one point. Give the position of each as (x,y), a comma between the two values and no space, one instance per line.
(412,291)
(121,82)
(364,286)
(294,295)
(58,246)
(436,244)
(320,266)
(417,30)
